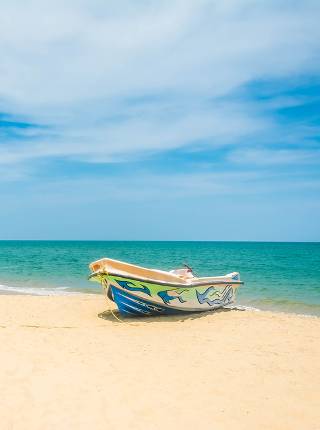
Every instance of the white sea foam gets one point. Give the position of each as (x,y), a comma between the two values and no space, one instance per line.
(57,291)
(243,308)
(278,311)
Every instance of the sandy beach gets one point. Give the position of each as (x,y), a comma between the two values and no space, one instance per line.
(66,363)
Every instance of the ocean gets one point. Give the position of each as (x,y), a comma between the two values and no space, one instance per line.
(281,277)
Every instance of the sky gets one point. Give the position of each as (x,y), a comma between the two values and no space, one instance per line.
(160,120)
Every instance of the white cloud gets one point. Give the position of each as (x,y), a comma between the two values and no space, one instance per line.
(171,189)
(265,157)
(115,79)
(139,132)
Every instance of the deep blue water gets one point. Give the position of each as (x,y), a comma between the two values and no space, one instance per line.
(277,276)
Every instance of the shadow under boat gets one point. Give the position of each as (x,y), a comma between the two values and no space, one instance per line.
(116,317)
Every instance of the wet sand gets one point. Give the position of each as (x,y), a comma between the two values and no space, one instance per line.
(66,363)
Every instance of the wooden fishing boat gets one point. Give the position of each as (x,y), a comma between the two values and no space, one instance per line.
(140,291)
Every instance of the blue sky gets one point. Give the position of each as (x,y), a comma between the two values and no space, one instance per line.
(182,120)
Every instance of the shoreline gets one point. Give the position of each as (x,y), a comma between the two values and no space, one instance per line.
(67,363)
(16,291)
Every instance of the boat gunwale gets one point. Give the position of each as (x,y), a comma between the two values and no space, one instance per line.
(165,283)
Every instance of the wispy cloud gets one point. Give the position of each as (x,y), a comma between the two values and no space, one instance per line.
(109,81)
(260,157)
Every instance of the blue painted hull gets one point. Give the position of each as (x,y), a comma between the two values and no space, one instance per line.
(130,305)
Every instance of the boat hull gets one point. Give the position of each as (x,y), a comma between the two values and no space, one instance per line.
(139,298)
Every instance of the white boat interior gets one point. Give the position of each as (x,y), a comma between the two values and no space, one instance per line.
(183,277)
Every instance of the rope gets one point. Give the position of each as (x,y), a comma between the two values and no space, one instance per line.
(110,308)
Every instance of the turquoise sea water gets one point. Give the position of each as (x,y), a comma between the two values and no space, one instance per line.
(277,276)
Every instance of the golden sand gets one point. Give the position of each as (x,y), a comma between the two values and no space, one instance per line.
(67,364)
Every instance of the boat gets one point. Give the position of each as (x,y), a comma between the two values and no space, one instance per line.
(139,291)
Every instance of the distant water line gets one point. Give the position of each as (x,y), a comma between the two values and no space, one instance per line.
(278,276)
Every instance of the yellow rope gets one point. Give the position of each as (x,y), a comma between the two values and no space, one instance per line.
(110,308)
